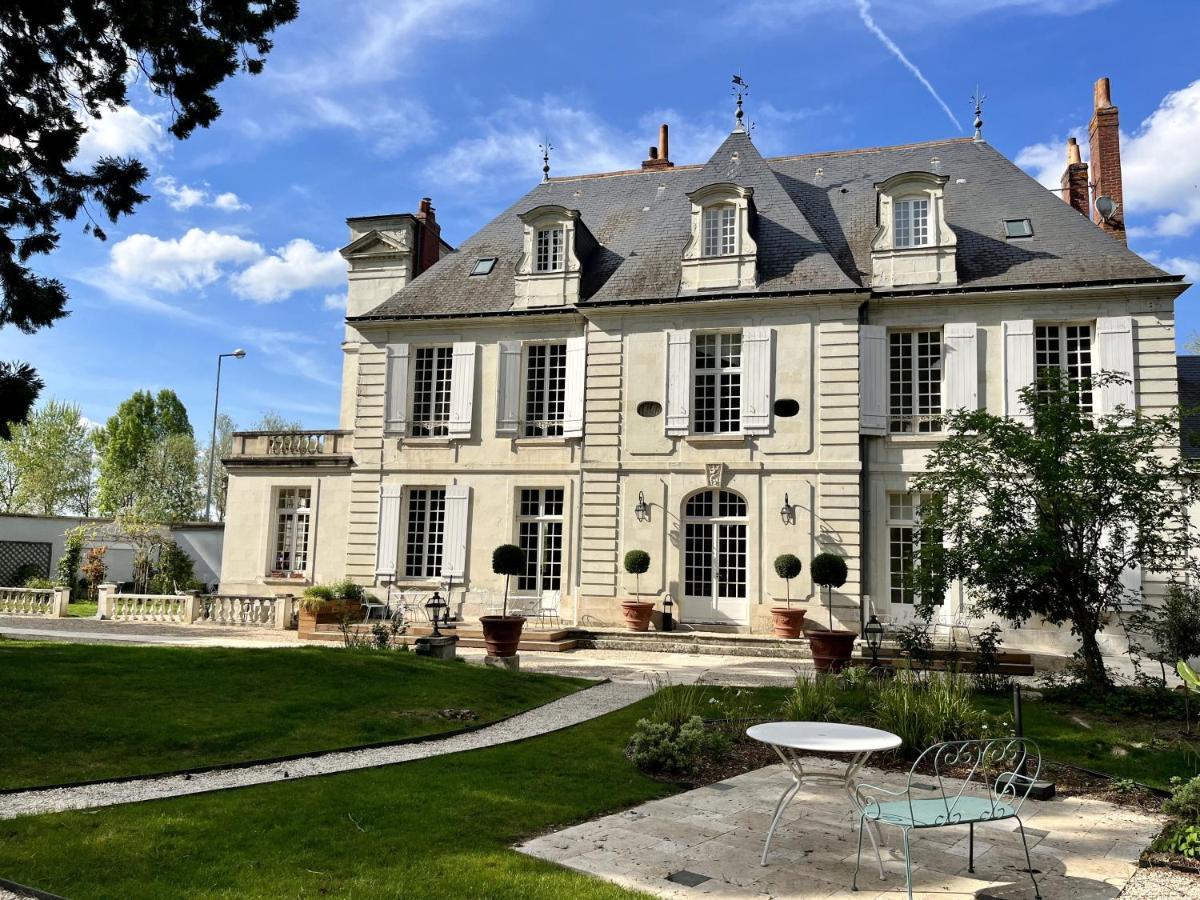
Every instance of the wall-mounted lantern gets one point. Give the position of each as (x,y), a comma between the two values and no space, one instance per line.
(787,512)
(642,510)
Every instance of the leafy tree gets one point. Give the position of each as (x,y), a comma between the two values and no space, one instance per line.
(1173,627)
(1042,521)
(148,459)
(275,421)
(52,453)
(94,569)
(64,62)
(174,571)
(10,480)
(68,563)
(220,488)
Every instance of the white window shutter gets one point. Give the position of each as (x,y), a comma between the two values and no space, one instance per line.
(960,368)
(388,532)
(396,401)
(1114,353)
(679,382)
(573,386)
(454,538)
(873,379)
(508,402)
(1018,368)
(462,390)
(757,359)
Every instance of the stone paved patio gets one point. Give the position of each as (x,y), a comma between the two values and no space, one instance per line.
(707,842)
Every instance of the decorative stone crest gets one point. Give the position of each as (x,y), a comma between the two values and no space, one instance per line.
(715,472)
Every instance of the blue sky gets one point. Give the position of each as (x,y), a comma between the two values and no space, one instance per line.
(367,106)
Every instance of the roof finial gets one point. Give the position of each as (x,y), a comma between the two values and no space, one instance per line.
(546,148)
(978,99)
(740,90)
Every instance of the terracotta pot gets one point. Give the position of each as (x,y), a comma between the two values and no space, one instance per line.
(637,614)
(831,650)
(788,622)
(332,613)
(502,634)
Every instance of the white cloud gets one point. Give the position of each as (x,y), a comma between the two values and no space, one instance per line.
(1046,162)
(193,261)
(295,267)
(122,131)
(183,196)
(335,301)
(1188,267)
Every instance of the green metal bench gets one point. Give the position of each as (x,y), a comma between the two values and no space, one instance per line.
(974,781)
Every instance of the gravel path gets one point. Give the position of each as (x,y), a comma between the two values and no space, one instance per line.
(562,713)
(1161,884)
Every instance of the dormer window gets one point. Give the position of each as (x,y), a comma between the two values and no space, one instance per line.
(722,253)
(549,249)
(913,245)
(720,230)
(555,243)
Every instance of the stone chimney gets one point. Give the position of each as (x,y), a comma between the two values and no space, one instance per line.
(429,238)
(659,157)
(1105,136)
(1075,180)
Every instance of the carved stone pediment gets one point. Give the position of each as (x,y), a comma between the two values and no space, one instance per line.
(715,474)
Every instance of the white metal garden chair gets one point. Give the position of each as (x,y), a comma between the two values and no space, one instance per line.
(548,607)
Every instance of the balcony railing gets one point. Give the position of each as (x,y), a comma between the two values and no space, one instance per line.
(290,445)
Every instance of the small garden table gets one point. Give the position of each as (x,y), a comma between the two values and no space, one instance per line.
(786,738)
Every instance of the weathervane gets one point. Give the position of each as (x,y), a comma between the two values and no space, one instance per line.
(978,99)
(740,90)
(546,148)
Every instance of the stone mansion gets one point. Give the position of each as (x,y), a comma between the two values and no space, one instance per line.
(714,363)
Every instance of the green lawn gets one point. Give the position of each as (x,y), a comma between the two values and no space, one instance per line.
(75,712)
(440,828)
(82,609)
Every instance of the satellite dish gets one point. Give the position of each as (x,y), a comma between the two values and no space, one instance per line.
(1107,207)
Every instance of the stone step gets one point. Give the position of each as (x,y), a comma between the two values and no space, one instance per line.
(794,650)
(547,641)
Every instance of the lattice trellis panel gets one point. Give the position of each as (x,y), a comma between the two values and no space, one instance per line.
(15,554)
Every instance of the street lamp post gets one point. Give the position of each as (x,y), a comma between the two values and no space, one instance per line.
(212,447)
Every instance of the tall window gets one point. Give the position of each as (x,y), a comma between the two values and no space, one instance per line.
(720,231)
(1067,349)
(714,545)
(549,250)
(425,532)
(540,535)
(717,394)
(910,221)
(293,508)
(432,367)
(904,517)
(915,382)
(545,389)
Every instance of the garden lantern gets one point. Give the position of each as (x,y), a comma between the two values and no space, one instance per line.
(642,510)
(873,632)
(433,607)
(787,512)
(668,619)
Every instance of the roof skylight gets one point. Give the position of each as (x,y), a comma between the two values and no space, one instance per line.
(1018,228)
(484,265)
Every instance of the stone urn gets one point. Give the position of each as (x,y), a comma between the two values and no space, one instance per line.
(787,622)
(637,614)
(502,634)
(831,650)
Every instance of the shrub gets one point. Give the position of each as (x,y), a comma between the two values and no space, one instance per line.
(829,570)
(1173,626)
(24,572)
(94,569)
(930,712)
(1185,841)
(987,676)
(637,562)
(1184,804)
(914,641)
(787,567)
(660,748)
(37,582)
(175,571)
(68,563)
(347,590)
(814,698)
(673,704)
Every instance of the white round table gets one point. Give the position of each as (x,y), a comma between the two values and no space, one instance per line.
(786,738)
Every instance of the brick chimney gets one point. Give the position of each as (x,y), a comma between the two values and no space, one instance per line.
(659,157)
(429,238)
(1075,180)
(1105,135)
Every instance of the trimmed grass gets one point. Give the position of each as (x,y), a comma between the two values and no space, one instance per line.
(439,828)
(77,712)
(82,609)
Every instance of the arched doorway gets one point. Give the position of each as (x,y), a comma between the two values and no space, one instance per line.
(714,557)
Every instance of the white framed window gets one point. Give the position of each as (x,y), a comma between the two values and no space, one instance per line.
(432,371)
(715,545)
(540,535)
(545,389)
(424,532)
(717,383)
(910,222)
(915,382)
(903,524)
(1067,349)
(549,249)
(720,231)
(293,513)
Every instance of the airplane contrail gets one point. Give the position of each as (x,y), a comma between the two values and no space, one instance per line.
(864,13)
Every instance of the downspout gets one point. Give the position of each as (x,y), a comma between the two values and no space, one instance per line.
(864,502)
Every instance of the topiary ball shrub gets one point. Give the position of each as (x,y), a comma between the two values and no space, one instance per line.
(829,570)
(637,562)
(788,566)
(508,559)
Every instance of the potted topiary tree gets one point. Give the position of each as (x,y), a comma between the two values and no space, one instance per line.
(636,611)
(832,648)
(788,622)
(502,633)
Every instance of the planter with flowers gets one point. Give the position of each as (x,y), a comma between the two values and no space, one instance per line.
(329,604)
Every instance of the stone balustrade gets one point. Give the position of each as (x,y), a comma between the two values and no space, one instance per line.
(196,609)
(290,445)
(45,602)
(262,612)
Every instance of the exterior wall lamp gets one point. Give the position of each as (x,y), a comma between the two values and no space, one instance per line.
(642,510)
(787,512)
(873,632)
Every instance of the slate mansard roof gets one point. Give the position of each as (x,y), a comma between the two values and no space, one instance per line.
(815,219)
